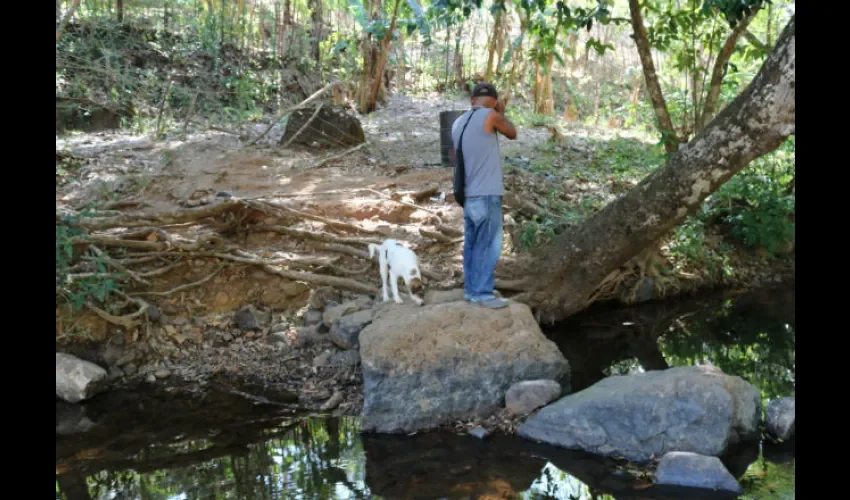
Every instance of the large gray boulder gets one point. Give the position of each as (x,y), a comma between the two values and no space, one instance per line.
(695,471)
(77,379)
(423,366)
(697,409)
(781,418)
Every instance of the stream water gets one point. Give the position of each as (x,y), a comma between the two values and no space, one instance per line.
(180,444)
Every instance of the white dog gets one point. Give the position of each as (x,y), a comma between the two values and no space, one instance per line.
(397,261)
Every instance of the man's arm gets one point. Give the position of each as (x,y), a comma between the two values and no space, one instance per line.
(497,122)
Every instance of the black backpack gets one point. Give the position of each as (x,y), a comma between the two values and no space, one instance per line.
(460,169)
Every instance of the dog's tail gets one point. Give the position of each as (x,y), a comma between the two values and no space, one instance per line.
(372,249)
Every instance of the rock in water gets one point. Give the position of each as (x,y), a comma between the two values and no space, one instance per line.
(524,397)
(333,127)
(423,366)
(77,379)
(781,418)
(696,408)
(695,471)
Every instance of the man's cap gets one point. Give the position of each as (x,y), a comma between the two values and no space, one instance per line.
(485,89)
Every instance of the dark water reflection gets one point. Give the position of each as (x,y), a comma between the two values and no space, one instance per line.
(217,445)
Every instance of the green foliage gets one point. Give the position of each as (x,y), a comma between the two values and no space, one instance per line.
(756,202)
(94,284)
(689,246)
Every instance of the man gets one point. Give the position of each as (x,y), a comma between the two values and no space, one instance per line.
(482,211)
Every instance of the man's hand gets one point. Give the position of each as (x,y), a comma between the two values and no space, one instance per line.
(500,106)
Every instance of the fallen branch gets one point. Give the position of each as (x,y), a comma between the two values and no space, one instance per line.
(321,279)
(290,110)
(457,233)
(325,161)
(422,194)
(205,242)
(304,127)
(183,287)
(442,238)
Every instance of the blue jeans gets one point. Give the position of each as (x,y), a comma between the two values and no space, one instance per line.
(482,245)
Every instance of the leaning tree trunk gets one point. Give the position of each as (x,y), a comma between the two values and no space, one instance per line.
(719,69)
(653,88)
(754,124)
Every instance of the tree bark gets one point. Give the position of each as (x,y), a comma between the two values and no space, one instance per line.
(718,71)
(494,40)
(378,76)
(653,88)
(516,57)
(754,124)
(119,8)
(316,31)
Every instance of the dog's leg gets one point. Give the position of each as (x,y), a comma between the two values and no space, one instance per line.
(394,278)
(382,263)
(415,299)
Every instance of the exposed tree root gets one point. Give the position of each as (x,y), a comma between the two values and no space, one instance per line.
(276,208)
(318,236)
(321,279)
(183,287)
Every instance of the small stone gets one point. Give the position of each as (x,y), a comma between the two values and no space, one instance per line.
(249,335)
(131,369)
(151,378)
(169,308)
(524,397)
(312,317)
(180,321)
(235,347)
(245,319)
(160,374)
(336,312)
(280,336)
(320,297)
(307,335)
(346,358)
(322,359)
(478,432)
(227,337)
(345,332)
(678,468)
